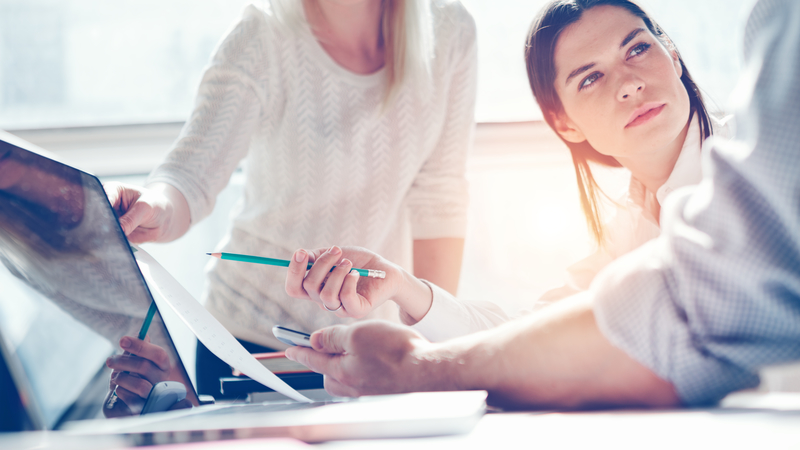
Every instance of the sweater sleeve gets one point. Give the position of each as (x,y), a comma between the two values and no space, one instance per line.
(450,317)
(438,197)
(217,135)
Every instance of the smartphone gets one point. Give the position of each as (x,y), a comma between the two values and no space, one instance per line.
(291,337)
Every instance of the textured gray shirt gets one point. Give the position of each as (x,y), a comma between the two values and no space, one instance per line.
(717,296)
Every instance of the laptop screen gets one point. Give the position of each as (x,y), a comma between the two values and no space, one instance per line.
(70,289)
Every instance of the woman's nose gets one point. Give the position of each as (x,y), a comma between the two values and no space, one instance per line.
(630,88)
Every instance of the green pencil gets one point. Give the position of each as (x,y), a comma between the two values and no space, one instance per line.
(285,263)
(142,334)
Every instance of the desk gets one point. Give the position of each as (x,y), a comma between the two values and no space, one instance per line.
(706,429)
(712,428)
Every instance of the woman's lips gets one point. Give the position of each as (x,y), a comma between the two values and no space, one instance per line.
(644,114)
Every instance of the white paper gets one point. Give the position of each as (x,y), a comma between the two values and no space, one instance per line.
(207,328)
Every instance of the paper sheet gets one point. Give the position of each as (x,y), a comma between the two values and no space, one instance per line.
(207,328)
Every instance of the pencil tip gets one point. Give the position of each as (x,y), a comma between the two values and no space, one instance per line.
(209,254)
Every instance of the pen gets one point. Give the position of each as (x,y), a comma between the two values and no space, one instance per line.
(285,263)
(142,334)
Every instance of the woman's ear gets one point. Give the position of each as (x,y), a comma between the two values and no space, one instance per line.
(566,128)
(673,53)
(676,60)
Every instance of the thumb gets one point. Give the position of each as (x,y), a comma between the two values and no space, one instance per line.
(134,217)
(330,340)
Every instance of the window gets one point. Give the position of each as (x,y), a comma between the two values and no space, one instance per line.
(707,33)
(100,62)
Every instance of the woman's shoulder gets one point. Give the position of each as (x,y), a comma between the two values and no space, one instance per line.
(259,19)
(452,19)
(255,35)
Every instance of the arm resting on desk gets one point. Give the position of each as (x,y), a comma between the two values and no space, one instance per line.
(556,359)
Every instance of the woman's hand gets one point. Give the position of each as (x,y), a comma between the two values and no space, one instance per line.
(343,287)
(154,214)
(134,374)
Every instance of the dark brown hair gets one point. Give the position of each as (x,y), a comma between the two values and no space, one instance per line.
(539,59)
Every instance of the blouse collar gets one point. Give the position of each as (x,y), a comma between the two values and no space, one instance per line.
(686,172)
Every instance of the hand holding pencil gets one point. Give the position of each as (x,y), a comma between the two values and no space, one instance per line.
(331,283)
(285,263)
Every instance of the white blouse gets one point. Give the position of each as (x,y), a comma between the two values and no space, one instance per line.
(633,224)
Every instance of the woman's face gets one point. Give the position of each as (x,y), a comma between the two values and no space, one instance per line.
(620,87)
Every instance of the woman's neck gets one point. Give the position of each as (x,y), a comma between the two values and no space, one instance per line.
(654,169)
(349,33)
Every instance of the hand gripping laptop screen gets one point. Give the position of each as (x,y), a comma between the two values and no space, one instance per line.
(70,291)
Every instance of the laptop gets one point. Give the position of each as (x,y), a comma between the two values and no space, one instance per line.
(71,288)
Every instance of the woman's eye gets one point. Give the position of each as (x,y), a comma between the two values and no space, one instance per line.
(588,81)
(638,50)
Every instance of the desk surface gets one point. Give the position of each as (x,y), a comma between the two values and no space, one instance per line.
(731,426)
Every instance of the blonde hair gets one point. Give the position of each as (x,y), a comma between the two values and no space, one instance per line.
(407,32)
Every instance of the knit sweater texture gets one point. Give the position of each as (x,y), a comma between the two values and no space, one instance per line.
(326,162)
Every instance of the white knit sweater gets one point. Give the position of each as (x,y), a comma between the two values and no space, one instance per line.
(324,163)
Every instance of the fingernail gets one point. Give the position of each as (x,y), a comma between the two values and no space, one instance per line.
(288,355)
(125,342)
(335,250)
(108,362)
(354,273)
(300,255)
(346,262)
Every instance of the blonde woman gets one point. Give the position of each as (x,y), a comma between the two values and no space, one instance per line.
(353,119)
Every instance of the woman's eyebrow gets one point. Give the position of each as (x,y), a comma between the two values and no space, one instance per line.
(630,37)
(625,42)
(577,72)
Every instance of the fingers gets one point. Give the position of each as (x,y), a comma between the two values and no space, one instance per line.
(133,217)
(134,401)
(136,385)
(330,340)
(136,365)
(314,360)
(125,201)
(113,192)
(146,350)
(355,305)
(317,275)
(296,274)
(333,286)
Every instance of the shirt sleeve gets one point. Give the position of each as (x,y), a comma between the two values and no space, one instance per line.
(449,317)
(227,108)
(438,197)
(717,296)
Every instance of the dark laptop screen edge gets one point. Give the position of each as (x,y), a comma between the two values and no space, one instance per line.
(14,365)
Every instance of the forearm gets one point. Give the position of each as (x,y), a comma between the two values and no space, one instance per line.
(179,217)
(555,359)
(439,261)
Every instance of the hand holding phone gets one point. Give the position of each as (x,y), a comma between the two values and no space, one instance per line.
(291,337)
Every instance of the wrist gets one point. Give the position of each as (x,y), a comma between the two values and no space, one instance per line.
(414,297)
(442,367)
(175,210)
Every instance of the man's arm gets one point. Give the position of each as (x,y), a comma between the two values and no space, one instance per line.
(556,359)
(439,261)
